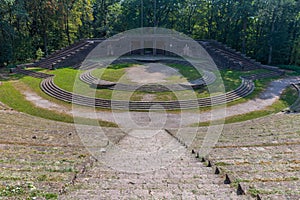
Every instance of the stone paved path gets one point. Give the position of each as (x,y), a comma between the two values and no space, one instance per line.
(150,164)
(267,98)
(170,120)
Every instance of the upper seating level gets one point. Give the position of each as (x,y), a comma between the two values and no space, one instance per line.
(223,56)
(70,56)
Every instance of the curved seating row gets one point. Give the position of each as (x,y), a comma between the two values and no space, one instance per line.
(208,78)
(65,55)
(33,73)
(263,75)
(48,86)
(295,107)
(226,57)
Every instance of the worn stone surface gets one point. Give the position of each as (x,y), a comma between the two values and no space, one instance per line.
(262,154)
(149,164)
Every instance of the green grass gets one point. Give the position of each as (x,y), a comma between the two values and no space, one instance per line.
(34,84)
(293,70)
(287,98)
(65,79)
(68,79)
(14,99)
(236,182)
(113,73)
(10,96)
(255,191)
(222,164)
(232,79)
(188,72)
(25,191)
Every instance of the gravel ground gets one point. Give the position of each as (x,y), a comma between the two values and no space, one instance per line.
(169,120)
(153,73)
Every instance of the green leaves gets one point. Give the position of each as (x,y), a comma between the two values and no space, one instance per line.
(266,30)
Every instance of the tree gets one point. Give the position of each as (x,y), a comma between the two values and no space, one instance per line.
(100,13)
(268,30)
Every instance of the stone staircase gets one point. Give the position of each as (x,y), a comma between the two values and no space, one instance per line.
(260,157)
(176,174)
(33,73)
(70,56)
(228,58)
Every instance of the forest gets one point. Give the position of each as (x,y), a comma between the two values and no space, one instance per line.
(267,30)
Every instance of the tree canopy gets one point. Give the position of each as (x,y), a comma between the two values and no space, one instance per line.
(268,30)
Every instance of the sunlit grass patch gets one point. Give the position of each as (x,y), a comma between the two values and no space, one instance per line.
(10,95)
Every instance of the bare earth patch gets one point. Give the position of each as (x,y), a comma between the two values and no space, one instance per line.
(42,103)
(267,98)
(148,97)
(153,73)
(135,119)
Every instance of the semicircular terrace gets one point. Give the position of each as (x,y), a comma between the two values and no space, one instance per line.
(49,87)
(223,56)
(208,78)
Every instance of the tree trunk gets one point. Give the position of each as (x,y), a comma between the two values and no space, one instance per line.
(270,54)
(295,45)
(244,36)
(68,28)
(45,43)
(271,39)
(209,21)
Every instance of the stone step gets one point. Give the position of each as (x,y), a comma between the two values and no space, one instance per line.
(265,140)
(253,168)
(267,190)
(263,176)
(267,153)
(280,196)
(183,178)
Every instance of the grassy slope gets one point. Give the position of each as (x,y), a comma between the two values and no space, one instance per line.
(66,76)
(65,79)
(291,70)
(189,72)
(112,73)
(287,98)
(11,96)
(231,81)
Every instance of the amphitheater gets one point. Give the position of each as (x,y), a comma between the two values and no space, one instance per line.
(155,152)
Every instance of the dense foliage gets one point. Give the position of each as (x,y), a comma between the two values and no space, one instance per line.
(268,30)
